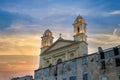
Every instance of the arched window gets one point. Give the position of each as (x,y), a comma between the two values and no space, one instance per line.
(104,78)
(59,61)
(71,55)
(44,42)
(85,76)
(78,29)
(50,65)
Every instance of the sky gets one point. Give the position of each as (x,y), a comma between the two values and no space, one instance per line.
(23,22)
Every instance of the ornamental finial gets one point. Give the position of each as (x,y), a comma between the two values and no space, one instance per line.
(60,35)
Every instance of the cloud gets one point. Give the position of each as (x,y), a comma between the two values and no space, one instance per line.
(19,45)
(30,44)
(116,32)
(8,18)
(3,62)
(17,65)
(56,9)
(24,42)
(103,40)
(111,13)
(116,12)
(19,62)
(18,28)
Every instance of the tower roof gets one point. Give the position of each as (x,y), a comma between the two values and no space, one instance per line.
(47,32)
(79,19)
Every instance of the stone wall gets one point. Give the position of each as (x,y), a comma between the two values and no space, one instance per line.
(72,69)
(87,67)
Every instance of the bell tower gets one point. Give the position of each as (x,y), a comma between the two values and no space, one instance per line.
(47,40)
(80,35)
(80,29)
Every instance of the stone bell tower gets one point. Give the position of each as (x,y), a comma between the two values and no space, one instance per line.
(47,40)
(80,35)
(80,29)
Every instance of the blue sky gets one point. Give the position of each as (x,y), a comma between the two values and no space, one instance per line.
(32,17)
(45,13)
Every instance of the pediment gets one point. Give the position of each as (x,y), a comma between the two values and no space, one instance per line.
(59,44)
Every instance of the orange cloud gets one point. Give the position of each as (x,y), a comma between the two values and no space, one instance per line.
(17,65)
(19,45)
(102,40)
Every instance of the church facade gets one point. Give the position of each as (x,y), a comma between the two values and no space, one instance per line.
(69,59)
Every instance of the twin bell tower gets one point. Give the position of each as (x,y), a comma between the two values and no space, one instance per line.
(79,33)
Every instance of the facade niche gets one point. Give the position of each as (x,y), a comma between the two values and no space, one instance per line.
(102,56)
(64,78)
(116,51)
(73,78)
(117,61)
(85,76)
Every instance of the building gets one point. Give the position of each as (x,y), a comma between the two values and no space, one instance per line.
(69,59)
(27,77)
(15,78)
(64,49)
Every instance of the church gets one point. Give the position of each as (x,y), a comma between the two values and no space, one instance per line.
(69,59)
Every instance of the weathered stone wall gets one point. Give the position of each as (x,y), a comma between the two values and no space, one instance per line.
(74,69)
(77,68)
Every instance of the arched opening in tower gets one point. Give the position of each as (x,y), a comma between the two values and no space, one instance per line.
(44,42)
(78,29)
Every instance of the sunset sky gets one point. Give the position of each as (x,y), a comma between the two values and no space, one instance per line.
(22,23)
